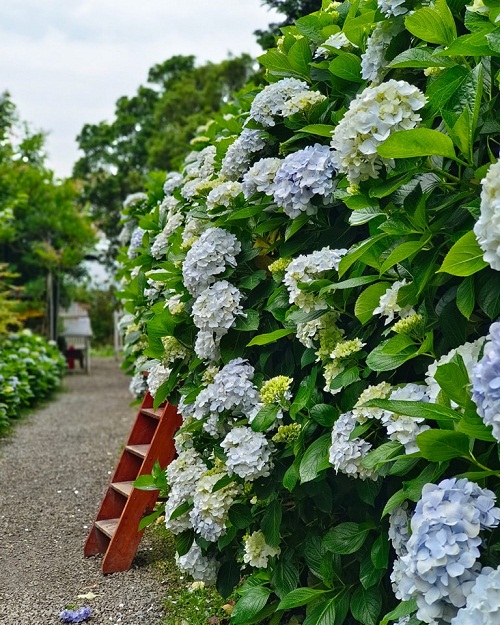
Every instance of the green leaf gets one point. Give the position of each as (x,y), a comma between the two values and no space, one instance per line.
(240,516)
(418,58)
(228,576)
(380,552)
(439,445)
(322,130)
(271,337)
(416,142)
(368,300)
(184,541)
(433,24)
(488,296)
(324,414)
(323,614)
(271,523)
(250,604)
(291,476)
(315,458)
(416,409)
(346,66)
(253,280)
(145,482)
(180,510)
(366,605)
(368,574)
(403,609)
(247,323)
(355,253)
(475,44)
(453,378)
(345,538)
(472,425)
(466,297)
(265,418)
(400,253)
(392,353)
(465,257)
(285,577)
(313,554)
(150,518)
(299,597)
(394,501)
(381,455)
(299,57)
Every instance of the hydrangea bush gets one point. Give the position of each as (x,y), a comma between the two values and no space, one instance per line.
(30,369)
(317,291)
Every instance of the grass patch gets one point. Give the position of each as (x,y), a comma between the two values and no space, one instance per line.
(102,351)
(183,605)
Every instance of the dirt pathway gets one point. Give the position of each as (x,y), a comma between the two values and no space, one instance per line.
(53,472)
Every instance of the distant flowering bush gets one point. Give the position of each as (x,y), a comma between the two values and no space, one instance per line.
(30,369)
(317,291)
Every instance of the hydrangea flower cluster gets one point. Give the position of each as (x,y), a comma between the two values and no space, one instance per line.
(345,454)
(306,268)
(302,101)
(269,103)
(135,242)
(134,199)
(486,381)
(257,551)
(483,602)
(223,194)
(208,257)
(276,390)
(440,567)
(402,428)
(173,180)
(388,305)
(336,41)
(200,165)
(200,567)
(182,474)
(248,453)
(158,374)
(260,177)
(372,116)
(487,227)
(239,154)
(373,61)
(301,176)
(392,8)
(209,513)
(399,529)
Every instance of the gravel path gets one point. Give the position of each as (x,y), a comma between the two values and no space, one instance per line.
(53,473)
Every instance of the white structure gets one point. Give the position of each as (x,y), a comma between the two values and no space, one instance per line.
(77,332)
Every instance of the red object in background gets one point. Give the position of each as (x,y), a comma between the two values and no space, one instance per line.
(71,357)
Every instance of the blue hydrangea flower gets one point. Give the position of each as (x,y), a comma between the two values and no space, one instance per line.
(301,176)
(483,603)
(75,616)
(440,567)
(486,381)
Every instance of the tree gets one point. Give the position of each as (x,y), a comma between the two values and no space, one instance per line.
(151,131)
(292,10)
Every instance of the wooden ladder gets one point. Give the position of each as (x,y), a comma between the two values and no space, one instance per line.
(115,531)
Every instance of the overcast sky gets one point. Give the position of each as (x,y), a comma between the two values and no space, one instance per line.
(66,62)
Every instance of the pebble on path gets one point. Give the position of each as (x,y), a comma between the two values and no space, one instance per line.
(53,473)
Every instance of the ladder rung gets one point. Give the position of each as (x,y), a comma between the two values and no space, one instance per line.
(151,412)
(107,526)
(138,450)
(124,488)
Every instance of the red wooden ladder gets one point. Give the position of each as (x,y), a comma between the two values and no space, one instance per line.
(115,532)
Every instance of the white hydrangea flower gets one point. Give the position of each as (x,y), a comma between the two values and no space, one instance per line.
(216,307)
(269,103)
(173,180)
(388,304)
(306,268)
(126,232)
(470,355)
(209,256)
(301,176)
(134,199)
(483,602)
(192,230)
(478,6)
(160,245)
(174,304)
(345,454)
(399,529)
(405,429)
(248,453)
(138,384)
(487,227)
(158,374)
(376,391)
(301,102)
(330,372)
(372,116)
(260,177)
(182,475)
(200,567)
(223,194)
(169,207)
(207,346)
(373,61)
(392,8)
(337,41)
(200,165)
(174,350)
(239,154)
(257,551)
(135,242)
(209,513)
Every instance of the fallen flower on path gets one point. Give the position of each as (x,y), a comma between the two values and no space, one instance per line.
(75,616)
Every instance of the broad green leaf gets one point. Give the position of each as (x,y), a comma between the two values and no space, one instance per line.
(240,515)
(433,24)
(416,142)
(395,500)
(439,445)
(475,44)
(145,482)
(465,257)
(392,353)
(345,378)
(285,576)
(368,574)
(247,323)
(264,418)
(299,56)
(381,455)
(488,296)
(181,510)
(466,297)
(291,477)
(271,523)
(322,130)
(400,253)
(380,552)
(418,58)
(347,66)
(323,614)
(228,576)
(368,300)
(250,604)
(315,458)
(366,605)
(453,378)
(324,414)
(183,542)
(299,597)
(148,519)
(403,609)
(355,253)
(313,554)
(472,425)
(416,409)
(350,283)
(345,538)
(271,337)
